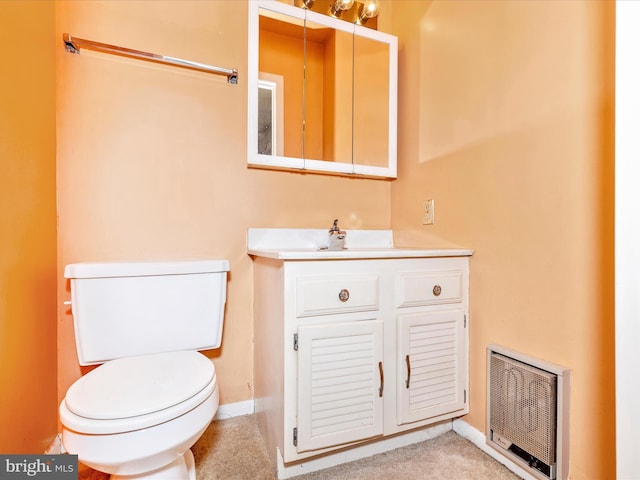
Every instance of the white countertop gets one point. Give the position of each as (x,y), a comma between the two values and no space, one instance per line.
(360,253)
(306,244)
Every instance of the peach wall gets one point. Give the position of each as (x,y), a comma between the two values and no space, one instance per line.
(28,406)
(506,120)
(152,161)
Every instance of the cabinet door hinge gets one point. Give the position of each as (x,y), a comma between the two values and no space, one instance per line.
(295,342)
(465,321)
(295,437)
(465,396)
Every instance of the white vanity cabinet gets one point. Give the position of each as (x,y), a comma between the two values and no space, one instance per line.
(353,350)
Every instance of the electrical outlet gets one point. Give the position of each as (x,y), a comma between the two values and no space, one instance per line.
(428,212)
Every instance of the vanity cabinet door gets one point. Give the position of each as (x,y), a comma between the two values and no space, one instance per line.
(432,364)
(340,383)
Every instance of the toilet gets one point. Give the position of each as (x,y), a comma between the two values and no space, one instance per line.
(138,413)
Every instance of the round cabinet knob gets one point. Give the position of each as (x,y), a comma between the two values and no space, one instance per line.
(437,290)
(343,295)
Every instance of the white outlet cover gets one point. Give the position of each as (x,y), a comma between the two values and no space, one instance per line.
(429,213)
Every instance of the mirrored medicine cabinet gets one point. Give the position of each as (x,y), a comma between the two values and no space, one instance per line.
(322,93)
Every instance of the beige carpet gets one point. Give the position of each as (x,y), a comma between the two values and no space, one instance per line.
(233,450)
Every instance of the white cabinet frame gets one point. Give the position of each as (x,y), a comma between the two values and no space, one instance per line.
(303,336)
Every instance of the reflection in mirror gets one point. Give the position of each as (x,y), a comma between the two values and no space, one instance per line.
(270,114)
(266,118)
(281,54)
(328,93)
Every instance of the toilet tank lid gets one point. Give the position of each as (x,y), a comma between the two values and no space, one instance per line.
(135,269)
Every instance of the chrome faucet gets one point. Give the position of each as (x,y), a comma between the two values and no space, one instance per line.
(336,237)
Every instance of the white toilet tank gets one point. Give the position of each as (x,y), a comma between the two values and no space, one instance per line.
(122,309)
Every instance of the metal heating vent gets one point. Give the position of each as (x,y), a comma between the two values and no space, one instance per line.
(527,412)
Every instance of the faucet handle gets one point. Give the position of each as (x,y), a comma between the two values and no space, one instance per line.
(336,237)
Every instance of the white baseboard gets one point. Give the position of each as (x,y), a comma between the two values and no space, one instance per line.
(56,447)
(363,451)
(479,439)
(237,409)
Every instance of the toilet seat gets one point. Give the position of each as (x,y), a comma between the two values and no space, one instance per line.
(138,392)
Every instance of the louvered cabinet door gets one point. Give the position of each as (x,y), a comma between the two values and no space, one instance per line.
(431,365)
(340,383)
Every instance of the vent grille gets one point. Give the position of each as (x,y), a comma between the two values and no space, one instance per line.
(523,406)
(526,409)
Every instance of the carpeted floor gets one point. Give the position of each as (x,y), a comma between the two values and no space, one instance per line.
(233,450)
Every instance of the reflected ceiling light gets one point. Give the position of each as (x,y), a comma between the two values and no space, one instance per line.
(370,9)
(306,4)
(341,5)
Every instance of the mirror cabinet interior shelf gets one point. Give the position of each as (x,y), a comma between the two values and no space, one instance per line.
(322,93)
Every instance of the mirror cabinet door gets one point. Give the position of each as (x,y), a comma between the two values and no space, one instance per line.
(370,102)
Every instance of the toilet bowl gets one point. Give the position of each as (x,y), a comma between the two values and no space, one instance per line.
(138,413)
(138,417)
